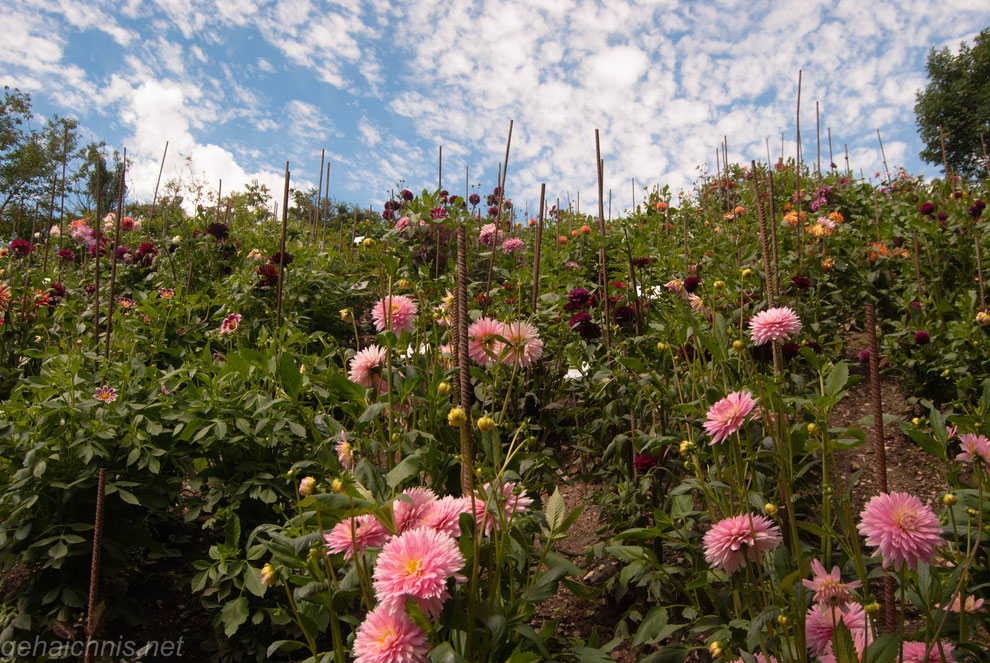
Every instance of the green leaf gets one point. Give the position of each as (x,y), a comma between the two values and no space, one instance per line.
(652,624)
(234,614)
(556,510)
(289,373)
(842,644)
(128,496)
(837,379)
(444,653)
(284,645)
(407,468)
(924,440)
(544,587)
(232,531)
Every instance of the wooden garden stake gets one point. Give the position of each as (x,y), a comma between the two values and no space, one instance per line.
(537,247)
(879,453)
(883,155)
(945,161)
(113,260)
(51,222)
(94,569)
(98,230)
(498,216)
(281,252)
(979,269)
(831,157)
(319,197)
(797,188)
(464,375)
(154,199)
(601,252)
(917,263)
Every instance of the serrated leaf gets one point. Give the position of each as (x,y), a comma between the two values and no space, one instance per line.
(556,510)
(407,468)
(649,629)
(837,379)
(234,614)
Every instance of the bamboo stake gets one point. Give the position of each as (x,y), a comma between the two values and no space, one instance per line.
(773,236)
(113,259)
(917,264)
(848,167)
(879,453)
(51,222)
(883,155)
(601,252)
(94,568)
(498,215)
(797,189)
(464,376)
(945,161)
(319,196)
(281,253)
(154,199)
(537,248)
(61,216)
(979,269)
(326,209)
(98,230)
(818,142)
(831,157)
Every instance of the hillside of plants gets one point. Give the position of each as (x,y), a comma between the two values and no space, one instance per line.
(340,436)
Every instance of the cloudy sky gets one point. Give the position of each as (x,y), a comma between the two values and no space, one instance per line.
(238,87)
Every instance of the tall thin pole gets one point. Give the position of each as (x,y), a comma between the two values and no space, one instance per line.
(536,248)
(281,252)
(602,256)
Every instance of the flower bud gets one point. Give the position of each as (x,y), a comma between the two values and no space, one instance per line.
(738,345)
(916,421)
(486,424)
(782,620)
(949,499)
(718,285)
(687,446)
(302,369)
(306,486)
(368,243)
(812,428)
(346,314)
(456,417)
(337,486)
(746,273)
(443,388)
(661,346)
(396,438)
(972,513)
(404,284)
(771,509)
(872,609)
(268,574)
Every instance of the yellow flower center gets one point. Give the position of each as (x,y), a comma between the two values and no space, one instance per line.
(413,567)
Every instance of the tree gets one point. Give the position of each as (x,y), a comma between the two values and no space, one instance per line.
(957,99)
(30,158)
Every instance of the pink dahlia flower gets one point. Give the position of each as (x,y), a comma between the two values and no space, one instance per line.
(828,587)
(512,245)
(389,636)
(395,313)
(820,619)
(775,324)
(230,324)
(731,541)
(904,530)
(409,508)
(914,652)
(523,344)
(483,346)
(367,365)
(417,564)
(354,535)
(973,604)
(728,414)
(975,446)
(402,223)
(505,500)
(444,515)
(488,234)
(345,452)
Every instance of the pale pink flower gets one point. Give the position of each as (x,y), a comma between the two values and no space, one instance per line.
(389,636)
(417,564)
(409,508)
(444,515)
(828,587)
(345,452)
(914,652)
(731,541)
(973,604)
(506,500)
(975,446)
(774,324)
(904,530)
(728,414)
(367,365)
(512,245)
(127,224)
(355,535)
(403,222)
(105,394)
(395,313)
(523,344)
(488,234)
(697,304)
(819,621)
(676,286)
(483,346)
(230,324)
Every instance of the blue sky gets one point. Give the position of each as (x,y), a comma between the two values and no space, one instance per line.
(239,87)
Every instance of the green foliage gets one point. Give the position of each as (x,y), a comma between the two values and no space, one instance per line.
(957,99)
